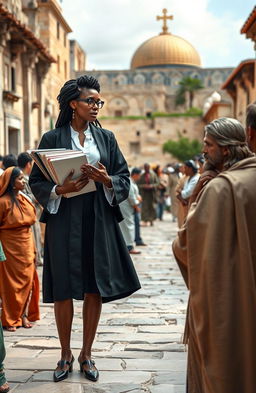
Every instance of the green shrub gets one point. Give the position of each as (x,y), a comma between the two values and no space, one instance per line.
(183,149)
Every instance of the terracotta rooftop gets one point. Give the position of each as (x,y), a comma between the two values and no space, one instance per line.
(236,71)
(26,32)
(251,18)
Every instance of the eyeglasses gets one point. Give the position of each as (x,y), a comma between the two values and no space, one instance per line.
(91,102)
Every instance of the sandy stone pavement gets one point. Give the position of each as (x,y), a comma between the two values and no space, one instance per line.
(138,347)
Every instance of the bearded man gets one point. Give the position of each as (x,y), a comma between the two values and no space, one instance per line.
(216,251)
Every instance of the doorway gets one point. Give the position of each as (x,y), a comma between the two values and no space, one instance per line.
(13,140)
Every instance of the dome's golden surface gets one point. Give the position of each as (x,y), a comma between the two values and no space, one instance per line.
(165,49)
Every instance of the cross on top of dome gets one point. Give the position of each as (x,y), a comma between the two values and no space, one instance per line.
(165,17)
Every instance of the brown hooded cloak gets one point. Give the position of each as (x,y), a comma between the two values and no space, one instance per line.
(216,251)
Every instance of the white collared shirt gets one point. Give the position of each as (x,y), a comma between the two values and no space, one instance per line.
(90,147)
(91,150)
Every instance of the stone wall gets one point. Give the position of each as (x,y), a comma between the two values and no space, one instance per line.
(142,140)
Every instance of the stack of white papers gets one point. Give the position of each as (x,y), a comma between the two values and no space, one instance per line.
(56,165)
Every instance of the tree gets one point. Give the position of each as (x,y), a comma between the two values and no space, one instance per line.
(183,149)
(190,85)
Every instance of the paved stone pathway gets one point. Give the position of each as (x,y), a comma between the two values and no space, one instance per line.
(138,346)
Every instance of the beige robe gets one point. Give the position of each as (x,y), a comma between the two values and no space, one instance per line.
(216,251)
(182,209)
(172,184)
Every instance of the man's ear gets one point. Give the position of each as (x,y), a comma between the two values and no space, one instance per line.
(225,151)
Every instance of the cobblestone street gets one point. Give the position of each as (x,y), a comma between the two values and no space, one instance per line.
(138,346)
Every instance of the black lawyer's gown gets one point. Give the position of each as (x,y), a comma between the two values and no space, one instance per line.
(84,247)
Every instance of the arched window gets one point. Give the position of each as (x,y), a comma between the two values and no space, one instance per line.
(216,78)
(139,79)
(175,78)
(118,106)
(195,75)
(103,80)
(121,79)
(158,79)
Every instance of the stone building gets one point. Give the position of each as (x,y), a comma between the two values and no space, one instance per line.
(77,58)
(36,58)
(24,61)
(54,31)
(140,101)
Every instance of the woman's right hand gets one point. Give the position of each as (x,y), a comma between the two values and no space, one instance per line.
(70,185)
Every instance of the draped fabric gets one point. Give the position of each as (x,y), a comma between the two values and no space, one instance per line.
(18,277)
(216,252)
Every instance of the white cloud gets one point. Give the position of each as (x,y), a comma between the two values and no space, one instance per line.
(111,30)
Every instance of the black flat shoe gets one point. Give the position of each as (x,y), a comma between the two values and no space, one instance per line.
(92,374)
(59,375)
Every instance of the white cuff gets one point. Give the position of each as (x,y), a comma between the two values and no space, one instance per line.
(53,194)
(109,194)
(54,201)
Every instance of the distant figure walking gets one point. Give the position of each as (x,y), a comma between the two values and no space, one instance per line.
(147,184)
(161,191)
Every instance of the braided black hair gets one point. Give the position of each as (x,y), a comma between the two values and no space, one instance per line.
(71,90)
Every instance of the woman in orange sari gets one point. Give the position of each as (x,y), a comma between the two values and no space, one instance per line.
(19,285)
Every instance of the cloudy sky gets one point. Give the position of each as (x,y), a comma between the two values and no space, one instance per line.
(111,30)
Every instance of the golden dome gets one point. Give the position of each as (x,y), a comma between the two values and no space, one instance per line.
(165,49)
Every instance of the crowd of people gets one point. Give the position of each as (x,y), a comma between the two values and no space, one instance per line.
(88,239)
(156,191)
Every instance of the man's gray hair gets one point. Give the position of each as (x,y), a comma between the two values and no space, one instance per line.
(230,133)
